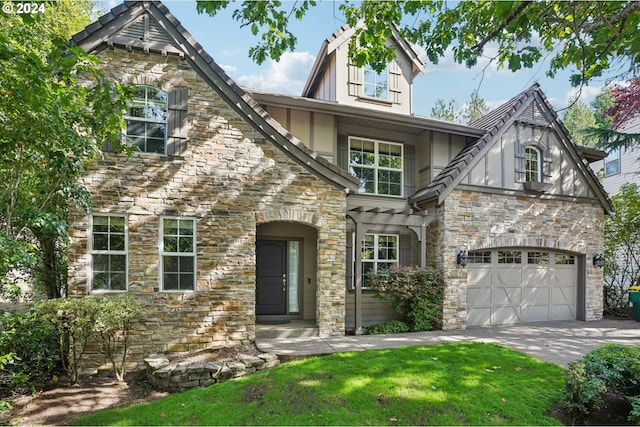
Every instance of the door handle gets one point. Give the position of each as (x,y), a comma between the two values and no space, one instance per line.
(284,283)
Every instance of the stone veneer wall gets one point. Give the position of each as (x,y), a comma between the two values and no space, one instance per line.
(473,220)
(230,180)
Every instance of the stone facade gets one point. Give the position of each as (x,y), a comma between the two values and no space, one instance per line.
(229,180)
(473,220)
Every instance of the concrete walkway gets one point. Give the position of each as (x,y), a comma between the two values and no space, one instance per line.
(555,342)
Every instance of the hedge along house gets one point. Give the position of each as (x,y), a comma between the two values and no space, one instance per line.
(245,206)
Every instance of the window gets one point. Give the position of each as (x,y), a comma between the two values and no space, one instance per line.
(565,259)
(509,257)
(377,164)
(108,247)
(375,84)
(379,251)
(539,258)
(479,257)
(533,170)
(147,120)
(178,254)
(612,162)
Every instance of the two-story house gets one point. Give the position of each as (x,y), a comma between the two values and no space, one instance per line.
(245,206)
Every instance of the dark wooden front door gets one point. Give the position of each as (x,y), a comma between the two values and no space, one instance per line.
(271,270)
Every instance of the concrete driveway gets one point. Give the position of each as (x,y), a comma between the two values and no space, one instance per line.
(556,342)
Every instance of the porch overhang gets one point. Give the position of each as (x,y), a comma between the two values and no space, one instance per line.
(366,218)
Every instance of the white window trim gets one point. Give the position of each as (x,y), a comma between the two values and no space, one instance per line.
(538,170)
(615,151)
(376,260)
(368,68)
(147,120)
(92,252)
(376,168)
(163,253)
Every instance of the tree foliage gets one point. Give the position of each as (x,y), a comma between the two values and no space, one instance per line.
(475,108)
(578,119)
(52,124)
(625,105)
(622,249)
(444,110)
(588,37)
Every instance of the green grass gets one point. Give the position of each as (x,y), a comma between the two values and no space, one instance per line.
(465,383)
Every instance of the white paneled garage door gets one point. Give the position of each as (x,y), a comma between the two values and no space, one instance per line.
(520,285)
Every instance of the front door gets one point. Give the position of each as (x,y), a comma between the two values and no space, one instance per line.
(271,275)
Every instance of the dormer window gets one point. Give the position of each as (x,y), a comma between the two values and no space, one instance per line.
(146,120)
(375,85)
(533,164)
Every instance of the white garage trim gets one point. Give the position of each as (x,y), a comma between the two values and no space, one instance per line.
(516,285)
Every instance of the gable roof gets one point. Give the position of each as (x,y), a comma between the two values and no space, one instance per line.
(342,35)
(150,26)
(495,123)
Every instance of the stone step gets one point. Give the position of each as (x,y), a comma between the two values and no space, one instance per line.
(291,330)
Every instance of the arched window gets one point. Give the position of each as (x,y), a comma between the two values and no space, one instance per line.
(533,168)
(147,120)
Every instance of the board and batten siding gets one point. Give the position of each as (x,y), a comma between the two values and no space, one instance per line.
(436,153)
(315,130)
(501,166)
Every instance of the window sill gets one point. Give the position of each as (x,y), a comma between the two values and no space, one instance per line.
(536,186)
(372,100)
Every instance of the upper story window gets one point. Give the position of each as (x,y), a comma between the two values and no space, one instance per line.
(612,163)
(108,250)
(147,120)
(533,164)
(375,85)
(378,165)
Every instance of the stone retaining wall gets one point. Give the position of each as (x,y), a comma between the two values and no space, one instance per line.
(175,377)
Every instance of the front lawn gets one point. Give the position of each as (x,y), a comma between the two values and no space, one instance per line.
(464,383)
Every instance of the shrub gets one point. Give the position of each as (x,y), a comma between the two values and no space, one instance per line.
(114,319)
(389,327)
(32,344)
(74,320)
(609,368)
(415,292)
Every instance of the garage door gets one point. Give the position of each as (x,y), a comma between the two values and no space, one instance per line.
(519,285)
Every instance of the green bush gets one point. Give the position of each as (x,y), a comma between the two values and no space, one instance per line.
(77,320)
(33,346)
(609,368)
(74,320)
(114,319)
(388,327)
(415,292)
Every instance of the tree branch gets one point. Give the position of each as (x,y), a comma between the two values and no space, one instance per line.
(621,15)
(502,26)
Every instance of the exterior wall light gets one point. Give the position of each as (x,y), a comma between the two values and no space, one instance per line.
(598,260)
(462,258)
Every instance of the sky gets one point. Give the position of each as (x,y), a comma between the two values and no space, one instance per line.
(224,39)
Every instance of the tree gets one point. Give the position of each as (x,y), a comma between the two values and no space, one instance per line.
(52,124)
(475,108)
(445,110)
(590,37)
(622,249)
(578,118)
(625,104)
(621,109)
